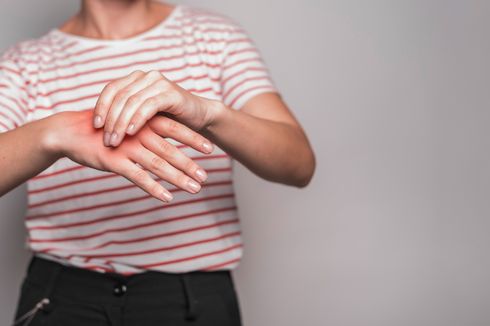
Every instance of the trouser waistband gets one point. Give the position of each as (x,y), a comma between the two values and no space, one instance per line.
(61,282)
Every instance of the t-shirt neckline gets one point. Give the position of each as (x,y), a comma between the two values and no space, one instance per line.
(95,41)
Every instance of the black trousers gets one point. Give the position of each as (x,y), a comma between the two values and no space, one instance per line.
(56,295)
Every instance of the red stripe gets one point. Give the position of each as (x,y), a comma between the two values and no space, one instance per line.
(71,183)
(67,56)
(130,228)
(13,100)
(87,208)
(105,191)
(127,65)
(236,63)
(97,268)
(108,190)
(153,223)
(186,65)
(87,97)
(174,204)
(249,90)
(122,242)
(105,81)
(179,246)
(174,261)
(145,50)
(14,112)
(5,126)
(15,72)
(112,175)
(42,176)
(242,71)
(246,50)
(210,171)
(157,222)
(221,265)
(48,44)
(9,119)
(225,96)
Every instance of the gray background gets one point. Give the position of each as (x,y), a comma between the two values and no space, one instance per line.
(394,229)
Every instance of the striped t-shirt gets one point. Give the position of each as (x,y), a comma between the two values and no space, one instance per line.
(98,220)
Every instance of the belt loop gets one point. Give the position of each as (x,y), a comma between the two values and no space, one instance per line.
(191,301)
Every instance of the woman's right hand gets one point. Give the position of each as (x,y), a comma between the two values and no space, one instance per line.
(72,135)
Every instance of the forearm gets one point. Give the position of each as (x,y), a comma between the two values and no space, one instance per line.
(275,151)
(24,154)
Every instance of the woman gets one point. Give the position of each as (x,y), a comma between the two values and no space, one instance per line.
(132,95)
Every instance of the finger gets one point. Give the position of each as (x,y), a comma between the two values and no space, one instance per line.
(118,103)
(167,127)
(106,96)
(173,155)
(164,101)
(164,170)
(142,179)
(132,105)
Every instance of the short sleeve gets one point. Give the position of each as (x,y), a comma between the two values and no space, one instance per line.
(244,72)
(13,95)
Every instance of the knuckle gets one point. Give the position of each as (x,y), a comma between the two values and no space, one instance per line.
(138,117)
(150,102)
(110,122)
(137,73)
(172,126)
(109,88)
(133,99)
(154,74)
(196,138)
(121,95)
(139,176)
(157,163)
(119,128)
(182,179)
(165,147)
(190,166)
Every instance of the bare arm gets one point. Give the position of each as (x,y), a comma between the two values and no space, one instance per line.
(30,149)
(266,138)
(264,135)
(24,154)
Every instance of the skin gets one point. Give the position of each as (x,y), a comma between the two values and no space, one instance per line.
(143,107)
(36,145)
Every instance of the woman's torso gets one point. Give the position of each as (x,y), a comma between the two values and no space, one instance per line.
(100,220)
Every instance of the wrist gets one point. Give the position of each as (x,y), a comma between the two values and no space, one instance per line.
(49,137)
(215,113)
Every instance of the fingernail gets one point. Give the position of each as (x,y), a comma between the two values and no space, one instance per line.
(207,147)
(201,175)
(193,186)
(97,121)
(114,139)
(167,196)
(130,128)
(107,138)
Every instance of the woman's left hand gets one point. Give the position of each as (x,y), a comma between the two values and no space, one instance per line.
(126,104)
